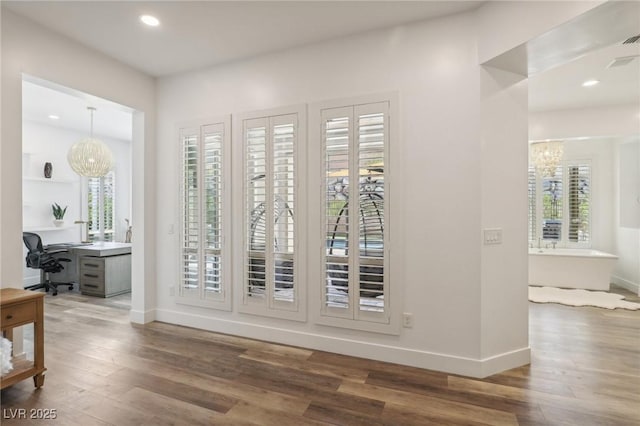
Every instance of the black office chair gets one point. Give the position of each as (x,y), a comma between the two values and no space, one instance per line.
(39,258)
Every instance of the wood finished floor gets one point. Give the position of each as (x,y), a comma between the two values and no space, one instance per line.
(103,370)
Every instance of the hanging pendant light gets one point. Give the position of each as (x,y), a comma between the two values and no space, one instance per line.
(546,156)
(90,157)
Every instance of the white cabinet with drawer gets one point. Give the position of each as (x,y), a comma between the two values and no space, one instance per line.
(105,276)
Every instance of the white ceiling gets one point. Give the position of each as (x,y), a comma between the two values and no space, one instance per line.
(561,87)
(42,99)
(194,35)
(199,34)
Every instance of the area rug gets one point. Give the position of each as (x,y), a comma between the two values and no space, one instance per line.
(571,297)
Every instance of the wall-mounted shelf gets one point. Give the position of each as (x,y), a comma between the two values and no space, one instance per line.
(47,228)
(41,179)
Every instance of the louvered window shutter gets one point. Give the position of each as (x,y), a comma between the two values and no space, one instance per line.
(552,206)
(355,142)
(579,194)
(564,198)
(191,264)
(203,261)
(532,183)
(271,283)
(101,207)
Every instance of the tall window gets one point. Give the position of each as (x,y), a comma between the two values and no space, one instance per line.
(101,207)
(532,203)
(204,271)
(552,206)
(563,204)
(579,202)
(355,164)
(272,284)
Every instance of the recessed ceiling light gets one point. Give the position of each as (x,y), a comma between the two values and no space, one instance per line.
(590,83)
(152,21)
(54,117)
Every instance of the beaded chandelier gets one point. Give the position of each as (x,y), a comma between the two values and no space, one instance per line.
(90,157)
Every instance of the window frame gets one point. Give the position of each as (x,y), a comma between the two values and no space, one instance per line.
(389,322)
(295,310)
(223,299)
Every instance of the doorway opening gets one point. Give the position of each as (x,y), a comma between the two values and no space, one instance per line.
(96,211)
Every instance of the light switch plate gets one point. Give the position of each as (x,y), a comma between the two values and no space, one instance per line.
(493,236)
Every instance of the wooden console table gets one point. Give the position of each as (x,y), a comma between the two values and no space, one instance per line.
(19,307)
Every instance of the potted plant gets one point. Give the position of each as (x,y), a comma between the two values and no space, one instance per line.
(58,214)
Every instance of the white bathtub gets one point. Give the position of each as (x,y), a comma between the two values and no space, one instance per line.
(571,268)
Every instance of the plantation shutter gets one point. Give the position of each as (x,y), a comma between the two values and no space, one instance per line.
(203,261)
(532,203)
(191,214)
(101,207)
(355,143)
(212,205)
(270,176)
(552,206)
(337,136)
(256,211)
(93,207)
(564,198)
(579,194)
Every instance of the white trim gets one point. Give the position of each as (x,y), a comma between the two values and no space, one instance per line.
(142,317)
(504,361)
(629,285)
(31,280)
(465,366)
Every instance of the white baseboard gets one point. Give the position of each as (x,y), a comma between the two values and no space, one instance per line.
(33,280)
(629,285)
(415,358)
(505,361)
(142,317)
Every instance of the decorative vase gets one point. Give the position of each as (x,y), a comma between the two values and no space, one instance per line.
(48,169)
(58,222)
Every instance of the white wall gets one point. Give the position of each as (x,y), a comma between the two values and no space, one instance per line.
(470,309)
(609,121)
(503,284)
(434,67)
(626,233)
(29,48)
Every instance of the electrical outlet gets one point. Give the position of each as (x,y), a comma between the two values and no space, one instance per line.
(407,320)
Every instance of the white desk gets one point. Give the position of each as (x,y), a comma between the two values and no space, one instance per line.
(101,269)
